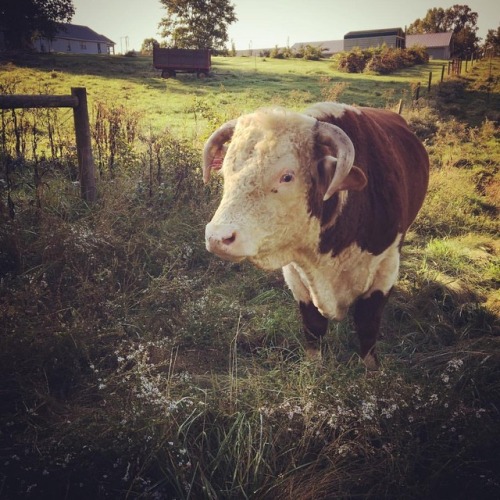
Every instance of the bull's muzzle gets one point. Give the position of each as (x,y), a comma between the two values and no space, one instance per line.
(224,240)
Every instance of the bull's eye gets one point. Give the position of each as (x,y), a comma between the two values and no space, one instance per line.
(288,177)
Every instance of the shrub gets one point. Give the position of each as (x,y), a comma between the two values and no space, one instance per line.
(309,53)
(353,61)
(418,54)
(276,53)
(382,60)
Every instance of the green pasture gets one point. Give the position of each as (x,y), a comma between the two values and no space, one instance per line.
(238,85)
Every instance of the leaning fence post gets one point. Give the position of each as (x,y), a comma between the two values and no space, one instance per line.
(84,146)
(400,106)
(442,73)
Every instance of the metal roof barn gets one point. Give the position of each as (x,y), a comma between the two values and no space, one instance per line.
(392,37)
(437,45)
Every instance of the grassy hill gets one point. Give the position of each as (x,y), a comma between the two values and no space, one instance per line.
(133,364)
(238,85)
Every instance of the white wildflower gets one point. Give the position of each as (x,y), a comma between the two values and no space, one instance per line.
(454,364)
(368,410)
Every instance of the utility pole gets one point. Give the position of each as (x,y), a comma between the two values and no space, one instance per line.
(122,38)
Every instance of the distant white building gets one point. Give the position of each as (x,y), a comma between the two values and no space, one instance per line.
(328,47)
(73,38)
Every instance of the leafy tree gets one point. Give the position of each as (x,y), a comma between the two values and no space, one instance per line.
(435,21)
(197,24)
(147,45)
(492,41)
(23,20)
(460,19)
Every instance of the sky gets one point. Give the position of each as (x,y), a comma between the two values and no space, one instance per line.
(266,23)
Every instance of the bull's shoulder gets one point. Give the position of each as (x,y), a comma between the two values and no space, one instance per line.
(396,165)
(362,120)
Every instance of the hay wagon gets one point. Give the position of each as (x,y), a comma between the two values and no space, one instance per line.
(173,61)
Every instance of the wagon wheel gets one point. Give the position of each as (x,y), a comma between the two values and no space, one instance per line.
(168,73)
(202,74)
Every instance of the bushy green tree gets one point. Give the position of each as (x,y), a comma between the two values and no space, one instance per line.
(460,19)
(197,24)
(147,45)
(23,20)
(435,21)
(492,41)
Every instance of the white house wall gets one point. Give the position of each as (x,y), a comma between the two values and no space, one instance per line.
(71,46)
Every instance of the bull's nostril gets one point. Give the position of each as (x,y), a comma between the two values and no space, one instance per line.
(228,241)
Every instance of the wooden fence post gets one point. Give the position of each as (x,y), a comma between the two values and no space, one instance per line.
(442,73)
(430,81)
(84,146)
(400,106)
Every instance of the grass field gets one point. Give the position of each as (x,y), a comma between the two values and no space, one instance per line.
(238,84)
(133,364)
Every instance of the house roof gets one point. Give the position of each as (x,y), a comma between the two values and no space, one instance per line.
(373,33)
(329,46)
(78,32)
(430,39)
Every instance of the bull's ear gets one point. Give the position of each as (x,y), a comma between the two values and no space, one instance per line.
(214,151)
(354,181)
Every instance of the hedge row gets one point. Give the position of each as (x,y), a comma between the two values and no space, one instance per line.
(382,60)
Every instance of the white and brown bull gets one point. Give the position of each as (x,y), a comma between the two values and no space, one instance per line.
(328,196)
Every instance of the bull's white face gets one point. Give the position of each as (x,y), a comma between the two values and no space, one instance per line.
(263,215)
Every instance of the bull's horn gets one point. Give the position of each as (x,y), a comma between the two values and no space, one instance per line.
(332,136)
(214,145)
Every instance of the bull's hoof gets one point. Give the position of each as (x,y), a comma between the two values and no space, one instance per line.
(313,354)
(371,362)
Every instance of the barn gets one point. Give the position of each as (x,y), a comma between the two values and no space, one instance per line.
(76,39)
(392,37)
(437,45)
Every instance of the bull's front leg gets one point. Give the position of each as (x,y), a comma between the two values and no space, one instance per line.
(367,318)
(314,323)
(315,326)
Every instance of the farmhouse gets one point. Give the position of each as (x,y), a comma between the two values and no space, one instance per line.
(76,39)
(392,37)
(438,45)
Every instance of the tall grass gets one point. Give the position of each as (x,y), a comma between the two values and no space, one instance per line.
(135,365)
